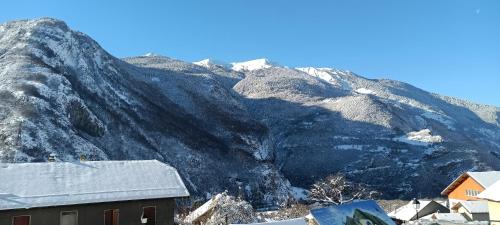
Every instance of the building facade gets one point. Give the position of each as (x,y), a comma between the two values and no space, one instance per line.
(409,213)
(492,195)
(468,186)
(147,212)
(473,210)
(89,193)
(494,207)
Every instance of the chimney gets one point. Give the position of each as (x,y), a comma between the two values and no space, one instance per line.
(52,157)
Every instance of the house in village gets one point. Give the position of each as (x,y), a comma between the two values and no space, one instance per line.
(472,210)
(408,212)
(296,221)
(468,185)
(492,195)
(441,218)
(89,193)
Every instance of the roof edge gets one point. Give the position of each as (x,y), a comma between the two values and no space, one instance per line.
(94,202)
(447,190)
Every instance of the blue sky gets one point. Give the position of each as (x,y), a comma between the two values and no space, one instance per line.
(450,47)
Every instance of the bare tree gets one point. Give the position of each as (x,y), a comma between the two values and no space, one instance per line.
(336,189)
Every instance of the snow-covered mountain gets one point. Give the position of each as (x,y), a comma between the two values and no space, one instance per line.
(211,63)
(253,124)
(256,64)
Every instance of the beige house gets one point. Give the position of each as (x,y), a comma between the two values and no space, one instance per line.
(492,195)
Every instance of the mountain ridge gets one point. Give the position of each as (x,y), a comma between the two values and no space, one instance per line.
(261,130)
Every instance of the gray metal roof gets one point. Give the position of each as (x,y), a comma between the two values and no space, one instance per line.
(473,206)
(30,185)
(487,178)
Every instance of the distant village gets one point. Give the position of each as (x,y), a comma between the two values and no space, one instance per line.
(149,192)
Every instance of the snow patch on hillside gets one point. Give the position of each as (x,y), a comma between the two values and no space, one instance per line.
(445,120)
(300,194)
(329,75)
(421,138)
(364,91)
(151,54)
(322,73)
(204,63)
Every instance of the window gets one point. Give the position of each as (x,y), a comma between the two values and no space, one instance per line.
(21,220)
(471,193)
(69,218)
(148,215)
(111,216)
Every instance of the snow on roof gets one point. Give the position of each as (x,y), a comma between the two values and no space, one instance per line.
(408,212)
(31,185)
(491,193)
(297,221)
(203,209)
(450,217)
(485,179)
(473,206)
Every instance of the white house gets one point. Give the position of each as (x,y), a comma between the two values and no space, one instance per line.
(297,221)
(472,210)
(446,217)
(409,213)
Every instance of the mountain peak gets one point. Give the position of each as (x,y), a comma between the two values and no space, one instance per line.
(255,64)
(152,54)
(36,23)
(211,62)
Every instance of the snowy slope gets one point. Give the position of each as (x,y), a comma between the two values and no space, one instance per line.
(210,63)
(254,123)
(60,92)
